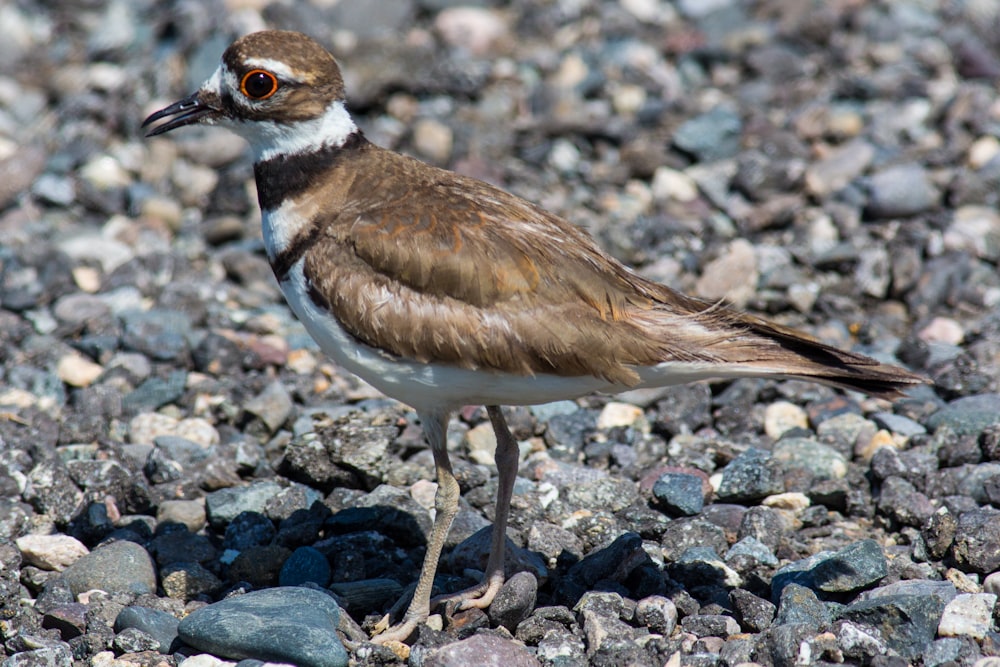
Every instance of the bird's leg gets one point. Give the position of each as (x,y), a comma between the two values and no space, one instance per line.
(445,506)
(481,596)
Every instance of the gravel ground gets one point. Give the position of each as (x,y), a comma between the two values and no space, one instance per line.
(170,437)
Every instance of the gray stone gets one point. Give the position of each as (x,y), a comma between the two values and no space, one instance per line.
(969,415)
(224,505)
(272,406)
(750,476)
(118,567)
(679,493)
(484,650)
(907,623)
(514,601)
(822,461)
(753,613)
(712,136)
(977,540)
(657,613)
(752,549)
(155,623)
(799,605)
(287,624)
(852,568)
(306,564)
(901,191)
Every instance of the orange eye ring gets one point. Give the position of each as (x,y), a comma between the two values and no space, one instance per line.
(259,84)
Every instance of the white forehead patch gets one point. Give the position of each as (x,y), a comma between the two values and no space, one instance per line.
(213,84)
(220,80)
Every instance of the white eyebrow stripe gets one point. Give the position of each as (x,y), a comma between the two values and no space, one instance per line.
(276,67)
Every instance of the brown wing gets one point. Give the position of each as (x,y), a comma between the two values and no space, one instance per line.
(429,265)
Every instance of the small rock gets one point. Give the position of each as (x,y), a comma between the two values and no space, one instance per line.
(257,625)
(153,622)
(838,167)
(968,415)
(983,150)
(186,581)
(190,513)
(750,476)
(118,567)
(482,443)
(942,330)
(976,230)
(78,371)
(224,505)
(615,414)
(977,540)
(751,549)
(799,605)
(69,619)
(732,276)
(898,424)
(710,625)
(477,30)
(795,502)
(680,494)
(783,416)
(969,614)
(272,406)
(908,623)
(434,140)
(672,184)
(51,552)
(821,461)
(901,191)
(754,614)
(248,529)
(852,568)
(133,640)
(899,500)
(515,601)
(306,564)
(481,649)
(657,613)
(712,136)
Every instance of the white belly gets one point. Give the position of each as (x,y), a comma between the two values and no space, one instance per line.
(442,387)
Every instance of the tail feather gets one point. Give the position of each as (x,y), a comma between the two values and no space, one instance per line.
(805,358)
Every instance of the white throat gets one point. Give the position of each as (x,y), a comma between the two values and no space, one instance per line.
(269,139)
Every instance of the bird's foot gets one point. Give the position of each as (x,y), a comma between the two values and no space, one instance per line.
(397,634)
(479,596)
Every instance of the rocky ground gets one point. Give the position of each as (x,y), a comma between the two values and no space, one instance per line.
(171,438)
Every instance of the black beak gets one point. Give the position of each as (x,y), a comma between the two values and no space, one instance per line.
(192,109)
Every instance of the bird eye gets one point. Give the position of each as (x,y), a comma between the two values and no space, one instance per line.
(259,84)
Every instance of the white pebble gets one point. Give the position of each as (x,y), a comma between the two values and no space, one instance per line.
(942,330)
(782,416)
(969,614)
(615,414)
(482,443)
(787,501)
(78,371)
(51,552)
(983,150)
(433,140)
(672,184)
(475,29)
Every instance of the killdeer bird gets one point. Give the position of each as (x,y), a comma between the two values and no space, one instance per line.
(443,291)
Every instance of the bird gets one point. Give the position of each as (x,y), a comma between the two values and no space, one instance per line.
(444,291)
